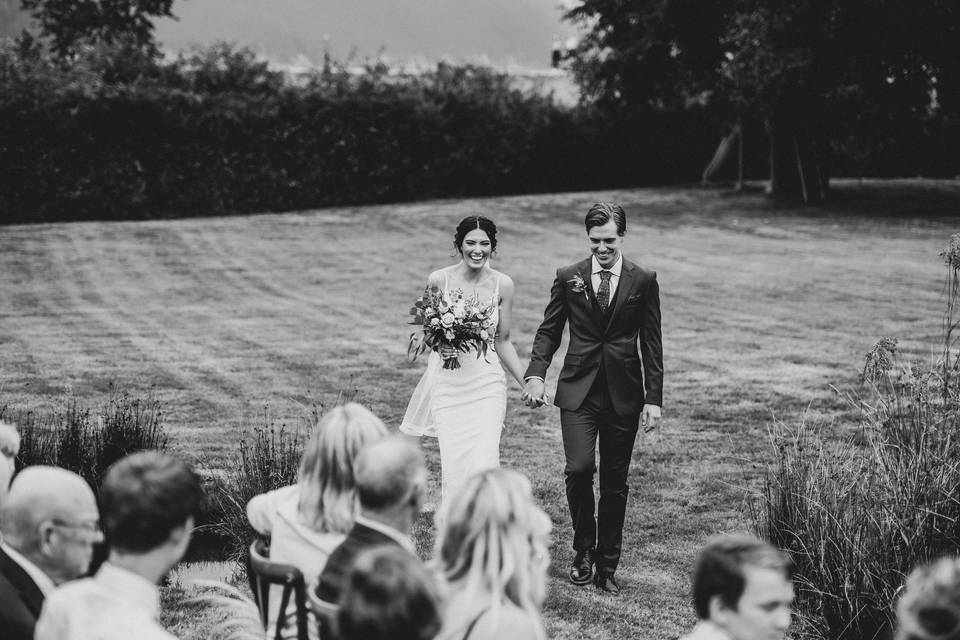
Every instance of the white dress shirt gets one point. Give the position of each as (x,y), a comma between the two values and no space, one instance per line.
(706,630)
(115,604)
(614,275)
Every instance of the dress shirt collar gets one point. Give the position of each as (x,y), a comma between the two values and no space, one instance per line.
(132,587)
(42,580)
(708,630)
(615,269)
(390,532)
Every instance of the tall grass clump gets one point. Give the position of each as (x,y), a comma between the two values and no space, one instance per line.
(88,440)
(267,458)
(858,513)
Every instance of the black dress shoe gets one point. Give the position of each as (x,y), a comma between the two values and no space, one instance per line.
(606,582)
(581,571)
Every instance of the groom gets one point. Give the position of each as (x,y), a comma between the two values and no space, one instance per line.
(612,305)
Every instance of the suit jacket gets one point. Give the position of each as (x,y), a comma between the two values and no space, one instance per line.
(333,578)
(20,601)
(606,342)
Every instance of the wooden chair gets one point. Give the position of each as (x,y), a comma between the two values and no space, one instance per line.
(325,612)
(262,573)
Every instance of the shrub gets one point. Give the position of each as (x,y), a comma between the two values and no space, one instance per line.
(268,458)
(85,441)
(858,514)
(114,133)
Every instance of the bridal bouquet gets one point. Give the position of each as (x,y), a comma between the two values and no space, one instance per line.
(450,324)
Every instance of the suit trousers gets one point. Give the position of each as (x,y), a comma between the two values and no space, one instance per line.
(595,420)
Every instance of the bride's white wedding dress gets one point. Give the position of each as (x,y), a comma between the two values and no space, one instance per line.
(463,408)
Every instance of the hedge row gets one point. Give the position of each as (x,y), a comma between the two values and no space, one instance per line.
(115,134)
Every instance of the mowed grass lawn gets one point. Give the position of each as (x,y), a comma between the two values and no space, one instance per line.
(763,309)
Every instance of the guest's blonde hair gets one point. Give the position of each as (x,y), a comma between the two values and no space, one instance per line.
(494,543)
(929,608)
(328,500)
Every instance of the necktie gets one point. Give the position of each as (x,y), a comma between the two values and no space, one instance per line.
(603,292)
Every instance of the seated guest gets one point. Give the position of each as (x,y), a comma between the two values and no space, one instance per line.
(493,555)
(49,523)
(148,501)
(9,448)
(929,608)
(389,595)
(391,480)
(306,521)
(742,590)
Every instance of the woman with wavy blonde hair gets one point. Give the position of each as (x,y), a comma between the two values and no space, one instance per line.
(308,520)
(492,553)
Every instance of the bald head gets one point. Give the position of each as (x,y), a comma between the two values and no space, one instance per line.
(388,473)
(50,516)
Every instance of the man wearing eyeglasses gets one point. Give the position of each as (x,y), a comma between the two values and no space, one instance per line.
(148,502)
(49,523)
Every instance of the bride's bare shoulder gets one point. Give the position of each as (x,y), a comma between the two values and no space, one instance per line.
(503,279)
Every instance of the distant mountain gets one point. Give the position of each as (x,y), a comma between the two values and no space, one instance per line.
(500,32)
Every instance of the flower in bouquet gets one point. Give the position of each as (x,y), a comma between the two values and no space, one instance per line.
(450,324)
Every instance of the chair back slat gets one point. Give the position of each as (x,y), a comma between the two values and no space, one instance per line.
(325,612)
(262,573)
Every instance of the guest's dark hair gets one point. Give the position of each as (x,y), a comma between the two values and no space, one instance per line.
(470,223)
(389,595)
(144,497)
(603,212)
(719,569)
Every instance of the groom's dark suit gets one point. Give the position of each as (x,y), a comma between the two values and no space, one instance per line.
(601,391)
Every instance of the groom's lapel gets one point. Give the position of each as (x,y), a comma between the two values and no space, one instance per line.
(623,288)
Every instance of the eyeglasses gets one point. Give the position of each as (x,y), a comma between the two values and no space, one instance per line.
(92,527)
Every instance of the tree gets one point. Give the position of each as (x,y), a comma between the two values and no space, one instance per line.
(812,70)
(69,23)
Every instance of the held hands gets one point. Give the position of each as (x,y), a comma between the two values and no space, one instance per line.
(534,394)
(650,417)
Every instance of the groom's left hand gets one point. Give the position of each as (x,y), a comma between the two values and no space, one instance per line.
(650,417)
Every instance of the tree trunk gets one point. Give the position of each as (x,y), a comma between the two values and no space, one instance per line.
(795,171)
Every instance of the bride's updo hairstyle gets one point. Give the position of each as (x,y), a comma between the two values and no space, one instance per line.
(493,545)
(929,608)
(470,223)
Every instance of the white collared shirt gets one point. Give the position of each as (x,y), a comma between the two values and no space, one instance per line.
(614,275)
(390,532)
(114,604)
(706,630)
(42,580)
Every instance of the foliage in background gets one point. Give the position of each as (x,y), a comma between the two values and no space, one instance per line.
(268,458)
(114,133)
(840,86)
(68,24)
(88,441)
(857,515)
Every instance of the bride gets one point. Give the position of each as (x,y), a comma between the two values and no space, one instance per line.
(464,408)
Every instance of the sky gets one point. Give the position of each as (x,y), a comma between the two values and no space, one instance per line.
(514,33)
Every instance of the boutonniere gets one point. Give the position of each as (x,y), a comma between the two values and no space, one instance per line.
(578,285)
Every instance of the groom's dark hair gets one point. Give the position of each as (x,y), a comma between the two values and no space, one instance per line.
(603,212)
